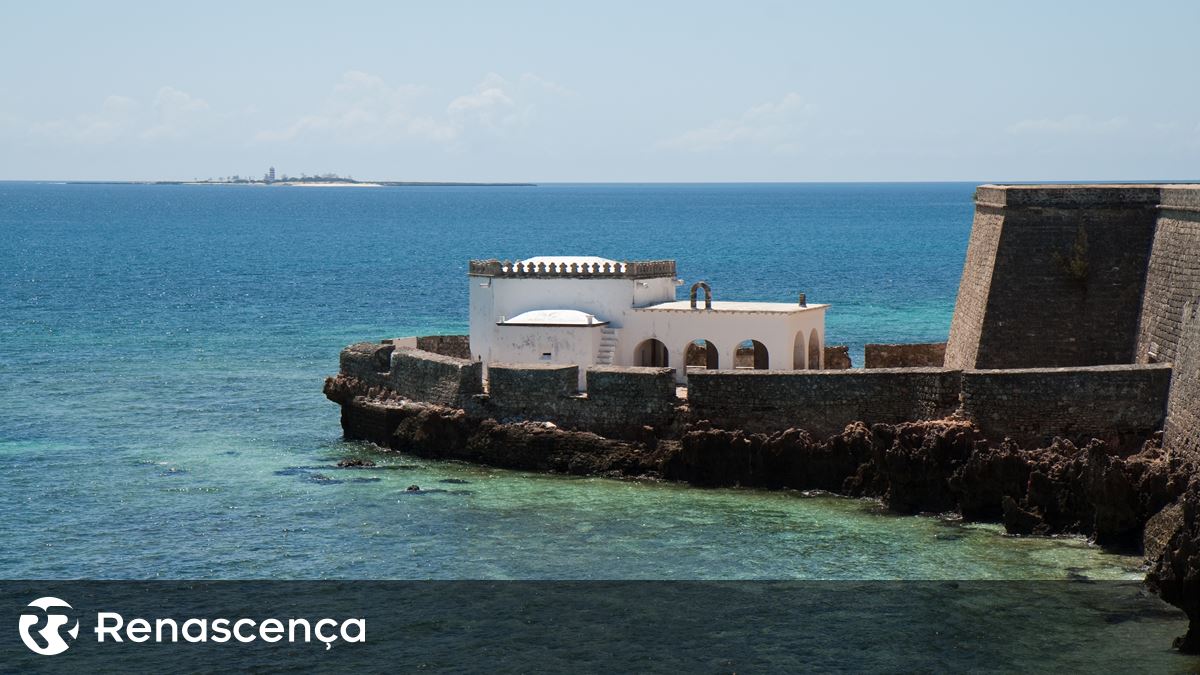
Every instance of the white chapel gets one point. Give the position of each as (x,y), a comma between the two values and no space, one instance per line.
(586,310)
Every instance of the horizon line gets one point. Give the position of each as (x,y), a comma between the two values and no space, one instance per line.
(534,183)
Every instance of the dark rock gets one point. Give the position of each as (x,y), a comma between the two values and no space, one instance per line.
(1175,573)
(920,461)
(355,463)
(1159,530)
(1018,520)
(413,488)
(986,477)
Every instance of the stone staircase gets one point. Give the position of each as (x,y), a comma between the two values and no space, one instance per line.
(608,346)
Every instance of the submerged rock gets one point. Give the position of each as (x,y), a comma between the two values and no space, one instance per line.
(355,463)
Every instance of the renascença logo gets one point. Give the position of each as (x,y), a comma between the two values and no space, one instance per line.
(50,633)
(109,627)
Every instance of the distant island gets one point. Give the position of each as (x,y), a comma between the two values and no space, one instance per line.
(305,180)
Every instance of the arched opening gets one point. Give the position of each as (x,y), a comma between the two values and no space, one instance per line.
(814,350)
(798,352)
(701,354)
(651,353)
(751,354)
(707,294)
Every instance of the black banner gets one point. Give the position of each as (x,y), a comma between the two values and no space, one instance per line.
(585,626)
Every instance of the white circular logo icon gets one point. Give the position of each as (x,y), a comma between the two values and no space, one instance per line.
(51,641)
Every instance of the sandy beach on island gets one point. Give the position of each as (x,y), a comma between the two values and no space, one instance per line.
(308,184)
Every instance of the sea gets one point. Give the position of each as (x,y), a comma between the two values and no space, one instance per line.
(163,348)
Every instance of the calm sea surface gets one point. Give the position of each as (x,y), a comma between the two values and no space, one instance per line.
(162,350)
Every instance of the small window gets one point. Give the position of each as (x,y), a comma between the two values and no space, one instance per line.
(545,356)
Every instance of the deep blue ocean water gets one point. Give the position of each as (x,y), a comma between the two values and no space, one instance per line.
(162,351)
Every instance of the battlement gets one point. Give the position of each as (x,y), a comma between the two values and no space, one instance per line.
(1127,196)
(1123,403)
(645,269)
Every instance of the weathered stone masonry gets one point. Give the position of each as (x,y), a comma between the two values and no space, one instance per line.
(1172,275)
(621,402)
(928,355)
(1182,430)
(820,402)
(1054,276)
(1114,403)
(1085,275)
(1125,404)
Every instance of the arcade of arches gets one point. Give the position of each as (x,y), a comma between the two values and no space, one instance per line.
(750,354)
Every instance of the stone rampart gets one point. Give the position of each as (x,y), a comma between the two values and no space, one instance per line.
(531,384)
(1123,404)
(645,388)
(1173,275)
(837,357)
(620,401)
(1182,430)
(368,362)
(928,355)
(1054,276)
(433,378)
(458,346)
(822,402)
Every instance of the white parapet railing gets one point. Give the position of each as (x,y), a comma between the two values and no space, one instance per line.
(642,269)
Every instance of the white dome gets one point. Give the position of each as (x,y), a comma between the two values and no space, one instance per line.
(553,317)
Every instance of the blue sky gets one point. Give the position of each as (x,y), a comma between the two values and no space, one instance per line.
(611,91)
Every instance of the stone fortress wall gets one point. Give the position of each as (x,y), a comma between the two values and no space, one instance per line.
(1031,406)
(1086,275)
(1054,276)
(928,355)
(1182,429)
(1074,303)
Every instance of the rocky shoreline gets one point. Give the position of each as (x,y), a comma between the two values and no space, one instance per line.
(1127,499)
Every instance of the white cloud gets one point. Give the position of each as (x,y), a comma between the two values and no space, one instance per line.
(363,108)
(176,112)
(778,126)
(1069,125)
(498,105)
(533,81)
(117,117)
(497,102)
(171,115)
(490,104)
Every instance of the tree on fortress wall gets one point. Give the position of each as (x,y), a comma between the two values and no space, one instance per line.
(1075,262)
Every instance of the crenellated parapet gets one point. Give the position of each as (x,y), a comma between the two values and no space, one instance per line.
(642,269)
(1124,403)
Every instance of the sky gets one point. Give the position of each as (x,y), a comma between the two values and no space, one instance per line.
(610,91)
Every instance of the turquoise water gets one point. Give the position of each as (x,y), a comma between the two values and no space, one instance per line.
(162,350)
